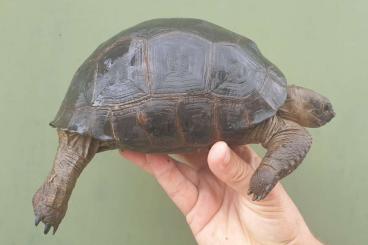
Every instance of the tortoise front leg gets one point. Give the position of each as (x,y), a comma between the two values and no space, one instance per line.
(287,143)
(50,202)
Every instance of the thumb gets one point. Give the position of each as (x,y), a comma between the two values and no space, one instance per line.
(226,165)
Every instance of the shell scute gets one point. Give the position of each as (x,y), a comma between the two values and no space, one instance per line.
(171,85)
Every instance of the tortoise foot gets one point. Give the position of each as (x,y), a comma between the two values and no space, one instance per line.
(49,206)
(262,182)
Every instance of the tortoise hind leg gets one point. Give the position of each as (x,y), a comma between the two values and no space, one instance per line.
(50,202)
(287,143)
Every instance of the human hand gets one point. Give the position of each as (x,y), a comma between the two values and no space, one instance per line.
(211,191)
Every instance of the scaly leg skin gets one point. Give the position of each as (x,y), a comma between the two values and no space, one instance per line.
(50,202)
(287,143)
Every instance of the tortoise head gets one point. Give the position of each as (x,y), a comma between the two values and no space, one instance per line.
(306,107)
(320,109)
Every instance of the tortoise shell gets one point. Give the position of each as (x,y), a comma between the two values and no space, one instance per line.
(172,85)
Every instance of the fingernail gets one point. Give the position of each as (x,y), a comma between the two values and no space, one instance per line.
(226,155)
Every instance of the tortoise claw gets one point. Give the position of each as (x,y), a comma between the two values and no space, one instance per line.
(47,229)
(255,197)
(55,229)
(262,182)
(262,194)
(37,220)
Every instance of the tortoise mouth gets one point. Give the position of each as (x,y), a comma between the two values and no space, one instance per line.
(325,117)
(329,113)
(329,116)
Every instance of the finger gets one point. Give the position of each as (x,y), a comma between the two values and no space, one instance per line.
(188,171)
(196,159)
(138,159)
(186,168)
(183,193)
(226,165)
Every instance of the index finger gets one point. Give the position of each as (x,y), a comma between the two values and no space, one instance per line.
(196,159)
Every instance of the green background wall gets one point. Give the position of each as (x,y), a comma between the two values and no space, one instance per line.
(317,44)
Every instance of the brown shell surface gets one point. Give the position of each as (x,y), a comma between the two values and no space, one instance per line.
(172,85)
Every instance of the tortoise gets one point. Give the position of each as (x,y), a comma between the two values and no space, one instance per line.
(172,86)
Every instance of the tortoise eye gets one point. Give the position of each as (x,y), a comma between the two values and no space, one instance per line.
(327,107)
(133,60)
(222,75)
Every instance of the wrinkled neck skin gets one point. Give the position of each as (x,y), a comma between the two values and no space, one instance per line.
(293,108)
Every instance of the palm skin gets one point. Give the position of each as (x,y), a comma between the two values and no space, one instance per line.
(211,191)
